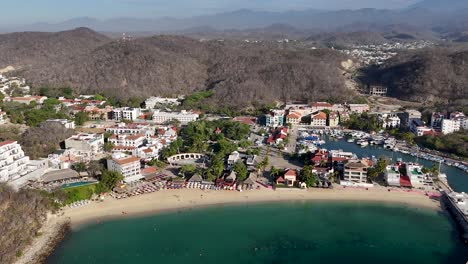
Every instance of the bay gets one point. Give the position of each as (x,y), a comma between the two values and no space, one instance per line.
(457,178)
(288,232)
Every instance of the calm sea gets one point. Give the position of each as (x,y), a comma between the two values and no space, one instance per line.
(295,232)
(457,178)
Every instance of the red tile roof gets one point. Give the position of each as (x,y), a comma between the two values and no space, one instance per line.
(294,115)
(320,115)
(7,142)
(321,104)
(126,160)
(248,120)
(148,170)
(290,173)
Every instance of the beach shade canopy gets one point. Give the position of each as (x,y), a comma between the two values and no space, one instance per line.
(59,175)
(249,181)
(196,178)
(232,177)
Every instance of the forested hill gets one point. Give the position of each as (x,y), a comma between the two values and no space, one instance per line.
(436,74)
(240,74)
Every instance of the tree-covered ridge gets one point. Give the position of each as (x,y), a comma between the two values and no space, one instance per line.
(238,75)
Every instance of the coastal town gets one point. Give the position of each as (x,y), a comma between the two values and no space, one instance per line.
(115,153)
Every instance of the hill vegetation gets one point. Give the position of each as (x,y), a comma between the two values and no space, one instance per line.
(429,75)
(22,215)
(238,74)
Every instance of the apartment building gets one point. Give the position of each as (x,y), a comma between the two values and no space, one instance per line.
(184,117)
(128,166)
(132,129)
(356,171)
(128,140)
(151,102)
(450,125)
(13,162)
(125,113)
(319,119)
(92,143)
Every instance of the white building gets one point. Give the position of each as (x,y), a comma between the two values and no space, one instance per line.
(450,125)
(13,162)
(358,108)
(464,123)
(92,143)
(132,129)
(128,140)
(392,175)
(2,117)
(64,122)
(151,102)
(319,119)
(389,120)
(125,113)
(183,117)
(275,118)
(356,171)
(128,166)
(414,172)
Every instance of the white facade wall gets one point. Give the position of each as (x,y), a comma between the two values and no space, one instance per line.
(125,113)
(127,141)
(184,117)
(13,162)
(131,171)
(93,143)
(450,126)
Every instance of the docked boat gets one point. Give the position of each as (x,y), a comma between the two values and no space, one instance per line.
(350,140)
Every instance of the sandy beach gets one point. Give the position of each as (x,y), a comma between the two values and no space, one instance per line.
(173,200)
(169,200)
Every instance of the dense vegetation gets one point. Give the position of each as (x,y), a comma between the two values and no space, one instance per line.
(429,75)
(22,214)
(38,142)
(237,74)
(364,122)
(32,115)
(456,143)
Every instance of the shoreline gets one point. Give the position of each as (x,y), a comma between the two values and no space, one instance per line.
(184,199)
(54,231)
(167,201)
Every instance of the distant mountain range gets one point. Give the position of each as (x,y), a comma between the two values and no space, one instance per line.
(427,14)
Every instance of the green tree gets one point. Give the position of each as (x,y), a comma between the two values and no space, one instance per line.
(241,170)
(187,168)
(108,181)
(50,103)
(81,118)
(217,166)
(79,167)
(44,91)
(108,146)
(275,172)
(308,177)
(99,97)
(157,163)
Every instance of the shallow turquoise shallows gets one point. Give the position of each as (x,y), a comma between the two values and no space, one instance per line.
(295,232)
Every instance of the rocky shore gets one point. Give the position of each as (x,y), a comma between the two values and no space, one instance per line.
(53,231)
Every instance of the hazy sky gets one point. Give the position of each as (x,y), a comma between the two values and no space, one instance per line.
(27,11)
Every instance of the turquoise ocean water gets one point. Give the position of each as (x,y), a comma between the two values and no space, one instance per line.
(290,232)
